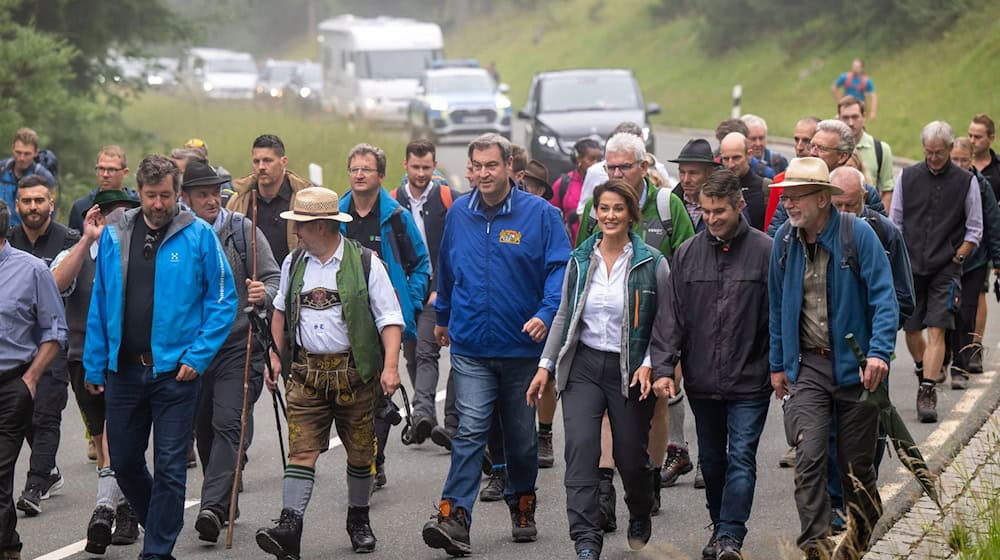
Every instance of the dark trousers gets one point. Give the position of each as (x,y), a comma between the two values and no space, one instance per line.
(960,339)
(218,423)
(15,419)
(422,356)
(594,386)
(43,436)
(728,435)
(138,402)
(815,399)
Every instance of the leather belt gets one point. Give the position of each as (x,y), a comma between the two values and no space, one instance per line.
(825,352)
(143,359)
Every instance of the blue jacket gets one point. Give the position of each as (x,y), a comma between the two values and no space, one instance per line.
(495,275)
(863,304)
(8,184)
(411,290)
(194,302)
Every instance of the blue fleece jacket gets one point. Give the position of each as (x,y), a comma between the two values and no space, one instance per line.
(496,274)
(862,304)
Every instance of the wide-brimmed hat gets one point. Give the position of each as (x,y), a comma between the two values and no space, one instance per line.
(316,203)
(807,171)
(536,170)
(200,174)
(111,197)
(697,150)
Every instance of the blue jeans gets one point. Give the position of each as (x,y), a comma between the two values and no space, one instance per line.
(730,476)
(136,403)
(480,385)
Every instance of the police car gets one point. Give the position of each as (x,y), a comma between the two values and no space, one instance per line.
(459,99)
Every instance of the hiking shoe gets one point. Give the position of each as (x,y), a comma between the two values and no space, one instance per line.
(711,550)
(639,531)
(546,456)
(787,460)
(699,481)
(449,530)
(976,358)
(655,510)
(588,554)
(359,528)
(927,403)
(30,501)
(493,491)
(91,451)
(522,519)
(283,540)
(99,530)
(608,500)
(959,381)
(126,526)
(380,479)
(53,484)
(729,549)
(442,435)
(837,522)
(678,462)
(208,525)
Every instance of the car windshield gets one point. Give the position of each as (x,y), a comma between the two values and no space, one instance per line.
(388,65)
(466,83)
(311,73)
(231,66)
(588,93)
(280,74)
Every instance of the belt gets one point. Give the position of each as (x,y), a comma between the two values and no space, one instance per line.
(825,352)
(143,359)
(13,373)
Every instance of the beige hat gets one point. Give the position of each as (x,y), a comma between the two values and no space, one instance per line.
(316,203)
(808,171)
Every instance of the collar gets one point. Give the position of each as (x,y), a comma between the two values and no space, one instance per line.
(626,250)
(285,190)
(220,220)
(41,237)
(423,196)
(337,256)
(866,141)
(945,169)
(476,200)
(5,250)
(741,230)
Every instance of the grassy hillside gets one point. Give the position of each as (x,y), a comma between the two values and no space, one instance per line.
(951,77)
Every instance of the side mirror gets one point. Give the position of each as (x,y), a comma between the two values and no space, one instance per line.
(653,109)
(504,88)
(523,114)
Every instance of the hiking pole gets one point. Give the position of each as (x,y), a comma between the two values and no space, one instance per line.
(238,473)
(262,330)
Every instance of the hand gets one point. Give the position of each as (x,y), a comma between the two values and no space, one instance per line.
(664,388)
(537,387)
(642,378)
(256,293)
(536,329)
(186,373)
(875,371)
(31,384)
(441,336)
(390,381)
(93,224)
(95,390)
(432,298)
(271,376)
(779,382)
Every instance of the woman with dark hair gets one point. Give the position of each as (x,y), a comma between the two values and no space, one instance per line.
(597,353)
(567,188)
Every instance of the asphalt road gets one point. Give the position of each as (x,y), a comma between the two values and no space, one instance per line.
(416,475)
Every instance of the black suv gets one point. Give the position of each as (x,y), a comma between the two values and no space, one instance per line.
(564,106)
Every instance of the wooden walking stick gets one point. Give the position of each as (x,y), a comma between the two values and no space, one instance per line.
(238,474)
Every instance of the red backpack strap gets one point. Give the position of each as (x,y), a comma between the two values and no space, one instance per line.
(394,194)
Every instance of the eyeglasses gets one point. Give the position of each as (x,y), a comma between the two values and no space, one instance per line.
(624,168)
(795,198)
(151,238)
(107,170)
(361,170)
(824,149)
(935,153)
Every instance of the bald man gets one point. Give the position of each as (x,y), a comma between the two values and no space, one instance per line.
(734,151)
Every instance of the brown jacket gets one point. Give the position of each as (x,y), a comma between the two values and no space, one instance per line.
(240,202)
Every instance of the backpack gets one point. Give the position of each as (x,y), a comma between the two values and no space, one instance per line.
(444,191)
(563,181)
(663,213)
(47,159)
(240,239)
(402,245)
(878,161)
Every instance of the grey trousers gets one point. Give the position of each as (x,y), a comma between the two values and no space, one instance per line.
(595,387)
(814,400)
(422,357)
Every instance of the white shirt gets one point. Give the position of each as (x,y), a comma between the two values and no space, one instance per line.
(324,331)
(417,207)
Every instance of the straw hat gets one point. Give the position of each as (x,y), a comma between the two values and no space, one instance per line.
(808,171)
(316,203)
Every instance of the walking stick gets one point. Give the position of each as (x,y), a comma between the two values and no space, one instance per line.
(238,474)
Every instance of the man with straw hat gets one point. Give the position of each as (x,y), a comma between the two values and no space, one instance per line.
(818,296)
(338,327)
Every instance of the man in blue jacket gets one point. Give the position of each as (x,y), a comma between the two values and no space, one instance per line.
(163,302)
(383,226)
(21,164)
(816,301)
(496,330)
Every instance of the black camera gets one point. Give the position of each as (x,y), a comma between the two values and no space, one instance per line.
(388,411)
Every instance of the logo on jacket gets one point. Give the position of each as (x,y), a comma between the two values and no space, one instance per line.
(510,236)
(175,257)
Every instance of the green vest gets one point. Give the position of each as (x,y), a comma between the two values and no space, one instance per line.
(352,286)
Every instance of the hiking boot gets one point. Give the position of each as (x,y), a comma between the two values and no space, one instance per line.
(359,527)
(53,484)
(30,501)
(959,381)
(655,510)
(449,530)
(976,358)
(711,550)
(639,531)
(493,491)
(380,479)
(12,555)
(99,530)
(442,435)
(546,457)
(820,550)
(422,427)
(91,451)
(699,481)
(285,538)
(729,549)
(588,554)
(927,403)
(678,462)
(787,460)
(208,525)
(608,500)
(522,519)
(127,526)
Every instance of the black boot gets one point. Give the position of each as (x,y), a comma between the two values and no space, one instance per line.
(449,529)
(284,540)
(360,529)
(99,530)
(126,526)
(608,501)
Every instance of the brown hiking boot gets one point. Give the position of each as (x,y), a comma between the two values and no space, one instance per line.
(522,519)
(927,403)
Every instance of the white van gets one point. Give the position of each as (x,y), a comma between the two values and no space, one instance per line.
(371,67)
(219,73)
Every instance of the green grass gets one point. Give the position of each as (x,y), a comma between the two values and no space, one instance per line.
(229,129)
(950,77)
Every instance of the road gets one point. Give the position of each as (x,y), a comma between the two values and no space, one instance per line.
(416,475)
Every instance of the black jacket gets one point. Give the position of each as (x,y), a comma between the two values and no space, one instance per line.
(713,317)
(434,213)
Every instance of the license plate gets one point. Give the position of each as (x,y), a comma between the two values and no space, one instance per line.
(474,119)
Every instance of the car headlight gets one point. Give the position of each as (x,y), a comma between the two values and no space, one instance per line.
(207,86)
(503,102)
(154,80)
(304,92)
(275,92)
(369,103)
(438,104)
(547,138)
